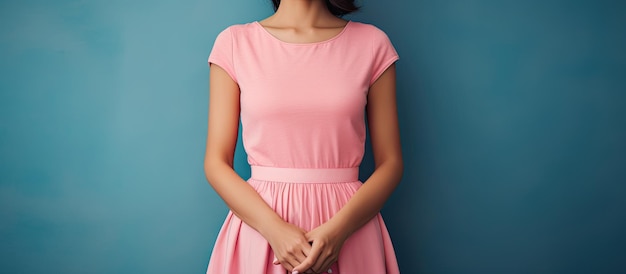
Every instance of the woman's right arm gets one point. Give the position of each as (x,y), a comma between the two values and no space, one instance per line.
(288,242)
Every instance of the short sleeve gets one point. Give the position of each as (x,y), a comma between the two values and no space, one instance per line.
(384,54)
(222,52)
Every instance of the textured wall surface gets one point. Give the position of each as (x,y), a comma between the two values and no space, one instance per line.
(513,117)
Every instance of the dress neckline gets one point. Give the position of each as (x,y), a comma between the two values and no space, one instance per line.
(343,30)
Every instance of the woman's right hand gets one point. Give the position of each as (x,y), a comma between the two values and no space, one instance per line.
(289,244)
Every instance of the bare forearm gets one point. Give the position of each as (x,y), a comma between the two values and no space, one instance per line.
(240,197)
(369,199)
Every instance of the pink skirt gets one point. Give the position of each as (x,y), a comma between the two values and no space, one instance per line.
(306,198)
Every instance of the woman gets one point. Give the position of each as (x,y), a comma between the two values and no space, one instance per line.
(301,81)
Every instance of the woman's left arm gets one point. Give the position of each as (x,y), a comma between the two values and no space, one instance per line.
(367,202)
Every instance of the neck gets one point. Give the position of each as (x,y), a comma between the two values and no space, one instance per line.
(302,12)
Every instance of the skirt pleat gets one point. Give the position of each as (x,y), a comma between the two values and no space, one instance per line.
(241,249)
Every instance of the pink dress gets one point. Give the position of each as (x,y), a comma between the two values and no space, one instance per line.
(303,128)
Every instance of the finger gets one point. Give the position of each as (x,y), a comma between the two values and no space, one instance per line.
(293,261)
(306,249)
(310,260)
(300,257)
(287,265)
(321,265)
(326,265)
(287,262)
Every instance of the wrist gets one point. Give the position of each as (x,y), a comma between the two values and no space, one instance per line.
(270,225)
(340,230)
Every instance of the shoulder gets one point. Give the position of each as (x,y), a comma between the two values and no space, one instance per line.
(233,34)
(367,30)
(237,29)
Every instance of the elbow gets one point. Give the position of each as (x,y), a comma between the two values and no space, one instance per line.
(396,164)
(210,168)
(214,166)
(399,170)
(394,167)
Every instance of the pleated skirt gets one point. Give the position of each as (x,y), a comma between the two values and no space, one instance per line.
(307,199)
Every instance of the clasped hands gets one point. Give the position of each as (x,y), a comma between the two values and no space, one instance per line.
(299,251)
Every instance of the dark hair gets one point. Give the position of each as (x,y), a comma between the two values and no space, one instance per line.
(336,7)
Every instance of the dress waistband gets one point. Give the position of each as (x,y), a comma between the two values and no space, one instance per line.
(305,175)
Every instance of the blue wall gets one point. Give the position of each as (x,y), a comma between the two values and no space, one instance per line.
(513,118)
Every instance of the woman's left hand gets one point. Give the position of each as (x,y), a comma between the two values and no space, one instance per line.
(326,242)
